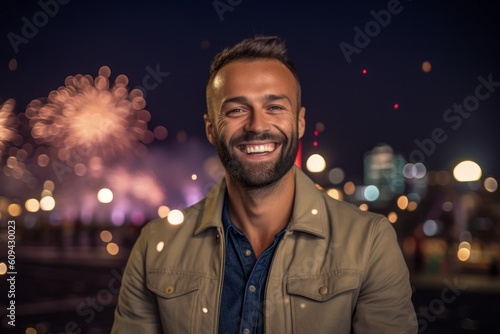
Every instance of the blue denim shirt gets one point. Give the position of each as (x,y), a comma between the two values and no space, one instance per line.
(244,283)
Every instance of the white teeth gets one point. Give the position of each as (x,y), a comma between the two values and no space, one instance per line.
(259,148)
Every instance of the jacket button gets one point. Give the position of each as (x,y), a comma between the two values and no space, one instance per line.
(169,290)
(323,290)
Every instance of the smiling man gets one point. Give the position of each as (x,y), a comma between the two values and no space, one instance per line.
(265,251)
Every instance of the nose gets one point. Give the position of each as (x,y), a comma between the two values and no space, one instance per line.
(257,122)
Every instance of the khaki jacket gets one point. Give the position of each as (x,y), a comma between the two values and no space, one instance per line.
(336,270)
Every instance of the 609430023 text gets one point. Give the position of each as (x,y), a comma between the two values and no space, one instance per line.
(11,273)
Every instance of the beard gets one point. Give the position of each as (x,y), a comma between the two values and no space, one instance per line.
(262,174)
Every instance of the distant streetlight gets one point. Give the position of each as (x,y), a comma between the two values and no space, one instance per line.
(467,171)
(105,195)
(316,163)
(48,203)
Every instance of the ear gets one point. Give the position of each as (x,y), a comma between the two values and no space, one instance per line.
(209,129)
(301,121)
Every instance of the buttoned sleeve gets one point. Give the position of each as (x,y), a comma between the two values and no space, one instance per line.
(384,302)
(137,310)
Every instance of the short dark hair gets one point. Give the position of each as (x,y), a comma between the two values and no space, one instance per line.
(259,47)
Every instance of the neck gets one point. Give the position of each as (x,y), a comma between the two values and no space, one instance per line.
(262,213)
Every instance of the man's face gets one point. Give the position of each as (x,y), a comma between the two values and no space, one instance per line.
(256,122)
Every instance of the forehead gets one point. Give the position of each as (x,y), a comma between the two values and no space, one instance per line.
(245,77)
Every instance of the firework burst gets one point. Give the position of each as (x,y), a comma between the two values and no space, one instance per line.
(86,117)
(7,120)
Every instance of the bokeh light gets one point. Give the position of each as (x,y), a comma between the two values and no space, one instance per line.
(336,175)
(13,64)
(14,210)
(316,163)
(42,327)
(363,207)
(412,206)
(45,192)
(430,227)
(117,217)
(490,184)
(106,236)
(159,246)
(447,206)
(30,330)
(467,171)
(105,195)
(392,217)
(112,248)
(160,132)
(80,169)
(320,126)
(465,244)
(175,217)
(417,170)
(371,193)
(349,188)
(205,44)
(182,137)
(402,202)
(443,178)
(7,124)
(48,203)
(463,254)
(49,185)
(3,268)
(334,193)
(43,160)
(32,205)
(163,211)
(414,197)
(426,66)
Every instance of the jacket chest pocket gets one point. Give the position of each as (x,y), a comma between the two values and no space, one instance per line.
(322,302)
(177,294)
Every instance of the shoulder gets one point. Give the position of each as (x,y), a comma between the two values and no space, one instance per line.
(348,221)
(181,220)
(344,211)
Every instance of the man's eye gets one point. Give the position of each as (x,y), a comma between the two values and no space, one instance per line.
(235,111)
(274,108)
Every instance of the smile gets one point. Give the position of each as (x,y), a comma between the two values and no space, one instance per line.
(258,149)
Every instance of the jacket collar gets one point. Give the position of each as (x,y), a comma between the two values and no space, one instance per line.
(309,211)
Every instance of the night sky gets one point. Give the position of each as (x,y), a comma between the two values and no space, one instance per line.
(459,38)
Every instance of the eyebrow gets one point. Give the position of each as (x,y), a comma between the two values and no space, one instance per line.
(266,98)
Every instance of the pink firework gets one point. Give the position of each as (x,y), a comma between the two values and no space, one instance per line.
(7,124)
(86,117)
